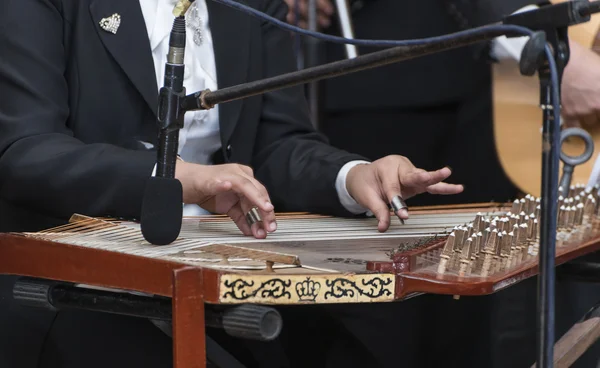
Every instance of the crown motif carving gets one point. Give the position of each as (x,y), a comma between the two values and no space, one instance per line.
(308,290)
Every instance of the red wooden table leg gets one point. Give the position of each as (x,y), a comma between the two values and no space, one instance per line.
(189,343)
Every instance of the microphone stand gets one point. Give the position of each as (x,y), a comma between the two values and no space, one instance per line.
(554,22)
(552,19)
(162,207)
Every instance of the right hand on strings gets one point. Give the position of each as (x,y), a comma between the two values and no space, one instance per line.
(376,184)
(325,10)
(228,189)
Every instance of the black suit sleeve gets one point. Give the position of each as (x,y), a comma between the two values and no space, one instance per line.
(43,167)
(296,163)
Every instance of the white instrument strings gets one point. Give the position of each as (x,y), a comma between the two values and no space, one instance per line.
(216,241)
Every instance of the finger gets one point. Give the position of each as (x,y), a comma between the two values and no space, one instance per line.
(268,216)
(257,228)
(238,216)
(295,18)
(248,173)
(326,7)
(291,18)
(421,179)
(324,20)
(402,214)
(324,11)
(445,188)
(390,183)
(376,204)
(302,9)
(251,196)
(249,188)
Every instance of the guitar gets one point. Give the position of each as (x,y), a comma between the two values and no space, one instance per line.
(518,120)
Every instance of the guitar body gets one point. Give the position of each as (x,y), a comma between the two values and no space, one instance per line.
(518,121)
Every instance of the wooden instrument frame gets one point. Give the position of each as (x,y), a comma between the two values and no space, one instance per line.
(190,286)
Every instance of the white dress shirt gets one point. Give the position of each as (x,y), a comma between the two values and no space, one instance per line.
(200,136)
(510,48)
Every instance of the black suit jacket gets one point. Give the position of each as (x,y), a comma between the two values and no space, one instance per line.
(75,101)
(432,81)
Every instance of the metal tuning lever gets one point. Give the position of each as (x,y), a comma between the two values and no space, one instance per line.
(571,161)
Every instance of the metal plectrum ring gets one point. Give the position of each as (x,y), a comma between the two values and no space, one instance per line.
(397,204)
(253,217)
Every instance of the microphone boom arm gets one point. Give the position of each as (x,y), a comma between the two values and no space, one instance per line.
(207,99)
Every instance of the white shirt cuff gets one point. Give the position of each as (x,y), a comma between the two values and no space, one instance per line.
(154,171)
(340,185)
(510,48)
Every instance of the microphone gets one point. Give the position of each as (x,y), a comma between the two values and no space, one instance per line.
(162,207)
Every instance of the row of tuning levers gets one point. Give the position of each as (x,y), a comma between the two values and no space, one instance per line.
(490,245)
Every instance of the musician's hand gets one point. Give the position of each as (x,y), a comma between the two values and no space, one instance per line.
(228,189)
(325,10)
(581,87)
(374,185)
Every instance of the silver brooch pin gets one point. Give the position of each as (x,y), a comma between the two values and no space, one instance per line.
(194,21)
(111,24)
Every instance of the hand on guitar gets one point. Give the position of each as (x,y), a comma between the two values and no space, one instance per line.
(228,189)
(581,88)
(374,185)
(325,10)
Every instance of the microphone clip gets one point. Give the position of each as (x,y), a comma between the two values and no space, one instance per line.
(170,112)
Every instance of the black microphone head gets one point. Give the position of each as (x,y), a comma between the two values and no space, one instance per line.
(162,210)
